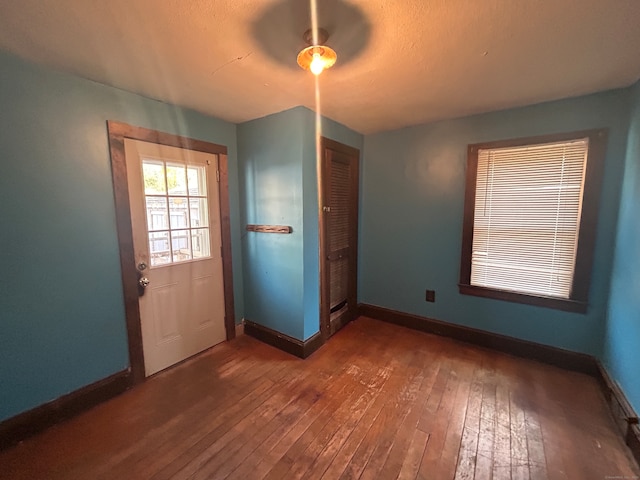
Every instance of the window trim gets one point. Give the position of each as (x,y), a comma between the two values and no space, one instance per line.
(578,301)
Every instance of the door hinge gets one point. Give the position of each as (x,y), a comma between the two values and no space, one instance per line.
(218,175)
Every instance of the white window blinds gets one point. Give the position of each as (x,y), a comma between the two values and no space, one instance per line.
(527,216)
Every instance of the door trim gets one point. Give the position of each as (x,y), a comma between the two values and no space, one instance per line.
(117,132)
(328,144)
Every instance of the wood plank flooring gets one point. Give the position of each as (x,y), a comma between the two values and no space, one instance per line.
(376,402)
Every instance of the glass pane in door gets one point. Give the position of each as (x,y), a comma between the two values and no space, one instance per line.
(159,251)
(199,212)
(177,210)
(154,180)
(197,178)
(177,179)
(200,243)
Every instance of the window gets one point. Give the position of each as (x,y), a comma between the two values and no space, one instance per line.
(530,219)
(177,213)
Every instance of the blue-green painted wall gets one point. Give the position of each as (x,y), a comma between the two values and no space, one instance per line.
(62,323)
(311,240)
(622,339)
(338,132)
(270,153)
(277,155)
(411,219)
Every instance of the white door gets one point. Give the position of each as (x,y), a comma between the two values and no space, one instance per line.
(175,215)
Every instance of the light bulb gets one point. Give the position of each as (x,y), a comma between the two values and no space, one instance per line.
(317,64)
(316,58)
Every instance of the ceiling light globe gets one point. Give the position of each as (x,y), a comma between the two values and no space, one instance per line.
(317,58)
(317,64)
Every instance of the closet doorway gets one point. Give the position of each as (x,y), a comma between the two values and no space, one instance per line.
(338,235)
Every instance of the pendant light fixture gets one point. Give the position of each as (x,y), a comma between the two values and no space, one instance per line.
(317,57)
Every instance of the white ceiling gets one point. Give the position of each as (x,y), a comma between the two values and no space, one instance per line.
(400,62)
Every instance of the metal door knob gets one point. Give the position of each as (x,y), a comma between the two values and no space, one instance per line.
(143,282)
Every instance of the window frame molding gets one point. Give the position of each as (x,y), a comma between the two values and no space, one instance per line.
(578,301)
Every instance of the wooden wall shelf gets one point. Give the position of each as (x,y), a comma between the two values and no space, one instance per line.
(269,228)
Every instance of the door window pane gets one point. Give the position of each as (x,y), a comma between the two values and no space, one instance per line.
(159,250)
(199,212)
(180,244)
(177,216)
(197,177)
(179,212)
(154,181)
(200,243)
(176,179)
(157,214)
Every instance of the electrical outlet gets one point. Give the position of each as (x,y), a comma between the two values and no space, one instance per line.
(430,296)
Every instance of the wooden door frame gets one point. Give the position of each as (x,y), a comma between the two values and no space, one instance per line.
(328,144)
(118,132)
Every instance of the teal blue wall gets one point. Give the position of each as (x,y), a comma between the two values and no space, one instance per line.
(338,132)
(277,157)
(311,232)
(622,339)
(411,219)
(271,191)
(62,323)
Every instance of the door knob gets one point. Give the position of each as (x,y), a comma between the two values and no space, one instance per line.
(143,282)
(142,266)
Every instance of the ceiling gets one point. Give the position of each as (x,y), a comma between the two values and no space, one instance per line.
(399,63)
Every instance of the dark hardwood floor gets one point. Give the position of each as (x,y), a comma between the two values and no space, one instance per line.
(376,402)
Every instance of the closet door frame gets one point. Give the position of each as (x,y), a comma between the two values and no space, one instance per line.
(330,148)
